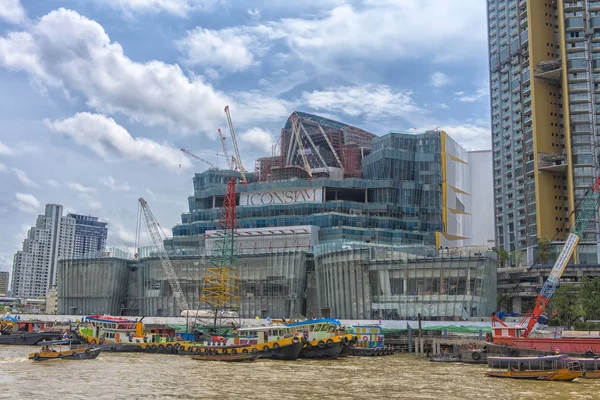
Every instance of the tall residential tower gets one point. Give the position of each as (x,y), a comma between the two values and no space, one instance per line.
(90,235)
(544,60)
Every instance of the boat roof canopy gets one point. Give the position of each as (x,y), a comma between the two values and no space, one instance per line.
(55,342)
(316,321)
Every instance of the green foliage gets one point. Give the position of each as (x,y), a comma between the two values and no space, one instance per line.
(503,256)
(543,251)
(572,305)
(502,301)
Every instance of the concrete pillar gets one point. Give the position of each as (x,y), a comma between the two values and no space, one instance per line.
(445,334)
(481,334)
(410,340)
(422,347)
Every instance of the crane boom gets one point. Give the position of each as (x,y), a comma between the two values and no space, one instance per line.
(585,214)
(238,159)
(295,129)
(153,230)
(189,153)
(225,152)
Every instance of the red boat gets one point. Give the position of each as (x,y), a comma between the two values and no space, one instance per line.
(570,342)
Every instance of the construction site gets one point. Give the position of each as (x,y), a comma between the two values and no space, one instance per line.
(307,233)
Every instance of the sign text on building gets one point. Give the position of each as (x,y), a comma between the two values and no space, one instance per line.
(282,196)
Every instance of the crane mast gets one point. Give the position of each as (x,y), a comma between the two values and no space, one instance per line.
(295,129)
(189,153)
(153,230)
(225,152)
(238,159)
(585,214)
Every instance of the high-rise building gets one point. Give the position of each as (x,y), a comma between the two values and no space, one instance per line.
(3,283)
(544,60)
(398,188)
(34,267)
(90,235)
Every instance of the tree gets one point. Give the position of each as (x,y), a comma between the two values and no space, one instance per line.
(589,298)
(543,251)
(564,305)
(501,301)
(503,256)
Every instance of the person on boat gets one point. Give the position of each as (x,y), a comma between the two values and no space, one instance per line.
(522,367)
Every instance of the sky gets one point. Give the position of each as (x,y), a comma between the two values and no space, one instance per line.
(97,97)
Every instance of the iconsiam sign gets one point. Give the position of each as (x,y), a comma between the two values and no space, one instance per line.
(285,196)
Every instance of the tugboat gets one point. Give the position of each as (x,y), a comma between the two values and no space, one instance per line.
(50,353)
(277,342)
(15,332)
(369,341)
(323,338)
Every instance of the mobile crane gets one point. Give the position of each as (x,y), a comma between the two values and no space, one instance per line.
(584,216)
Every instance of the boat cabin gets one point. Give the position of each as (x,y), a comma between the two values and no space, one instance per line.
(370,336)
(318,329)
(260,334)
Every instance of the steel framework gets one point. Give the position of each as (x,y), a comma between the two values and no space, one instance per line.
(220,289)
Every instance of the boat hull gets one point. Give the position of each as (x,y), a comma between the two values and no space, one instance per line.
(228,358)
(69,355)
(551,375)
(589,346)
(28,338)
(327,351)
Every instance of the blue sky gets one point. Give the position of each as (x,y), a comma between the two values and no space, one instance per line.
(98,96)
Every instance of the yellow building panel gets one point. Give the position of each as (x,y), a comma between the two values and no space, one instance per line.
(457,190)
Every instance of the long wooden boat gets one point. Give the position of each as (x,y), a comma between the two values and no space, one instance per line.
(590,367)
(51,353)
(228,358)
(551,368)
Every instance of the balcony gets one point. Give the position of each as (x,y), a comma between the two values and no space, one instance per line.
(552,162)
(550,70)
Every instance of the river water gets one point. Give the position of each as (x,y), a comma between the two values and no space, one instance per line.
(154,376)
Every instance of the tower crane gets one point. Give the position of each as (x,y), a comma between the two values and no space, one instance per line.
(154,232)
(238,159)
(295,130)
(189,153)
(585,214)
(228,158)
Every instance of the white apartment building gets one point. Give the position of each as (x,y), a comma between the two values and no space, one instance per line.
(34,267)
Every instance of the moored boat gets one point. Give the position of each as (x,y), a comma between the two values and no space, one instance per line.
(323,338)
(551,368)
(50,353)
(369,340)
(590,367)
(228,358)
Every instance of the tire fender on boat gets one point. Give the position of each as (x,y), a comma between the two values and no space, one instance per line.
(475,355)
(275,346)
(295,339)
(345,340)
(244,351)
(329,342)
(321,344)
(356,352)
(589,354)
(254,350)
(36,356)
(265,348)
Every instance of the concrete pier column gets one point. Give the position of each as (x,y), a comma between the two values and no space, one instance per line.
(422,347)
(445,334)
(410,343)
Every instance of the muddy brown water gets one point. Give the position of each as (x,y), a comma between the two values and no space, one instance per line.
(154,376)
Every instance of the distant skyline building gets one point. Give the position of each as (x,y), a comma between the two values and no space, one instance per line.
(90,235)
(544,59)
(4,283)
(52,238)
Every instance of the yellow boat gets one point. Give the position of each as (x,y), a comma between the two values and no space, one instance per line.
(50,353)
(549,368)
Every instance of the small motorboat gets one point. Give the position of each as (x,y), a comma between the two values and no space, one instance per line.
(228,357)
(549,368)
(48,352)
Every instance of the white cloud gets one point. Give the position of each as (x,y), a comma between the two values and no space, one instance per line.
(5,150)
(2,167)
(89,201)
(22,176)
(120,235)
(180,8)
(253,13)
(439,79)
(480,94)
(150,192)
(78,187)
(12,11)
(107,139)
(443,106)
(52,182)
(27,203)
(111,183)
(369,100)
(227,49)
(472,136)
(259,139)
(68,51)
